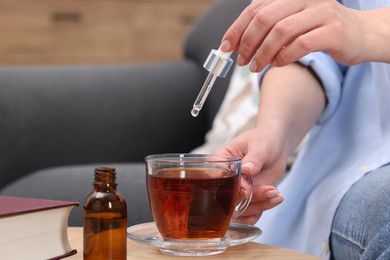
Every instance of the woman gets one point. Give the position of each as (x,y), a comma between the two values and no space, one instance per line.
(329,77)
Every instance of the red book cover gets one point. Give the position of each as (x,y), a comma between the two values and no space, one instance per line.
(34,228)
(18,205)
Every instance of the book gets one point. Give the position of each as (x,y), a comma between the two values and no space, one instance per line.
(34,228)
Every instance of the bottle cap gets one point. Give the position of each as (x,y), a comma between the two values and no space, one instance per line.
(218,63)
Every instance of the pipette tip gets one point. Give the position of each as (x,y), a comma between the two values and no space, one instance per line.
(195,112)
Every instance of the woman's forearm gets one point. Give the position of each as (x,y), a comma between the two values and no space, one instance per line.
(291,100)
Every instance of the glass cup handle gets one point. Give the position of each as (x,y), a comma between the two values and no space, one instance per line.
(244,202)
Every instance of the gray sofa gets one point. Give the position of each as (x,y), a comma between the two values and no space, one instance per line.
(57,123)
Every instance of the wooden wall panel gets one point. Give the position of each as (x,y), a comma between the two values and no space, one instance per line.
(94,31)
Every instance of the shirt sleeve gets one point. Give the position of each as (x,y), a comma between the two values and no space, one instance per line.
(330,74)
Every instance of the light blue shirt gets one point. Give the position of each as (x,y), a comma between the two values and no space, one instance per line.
(351,138)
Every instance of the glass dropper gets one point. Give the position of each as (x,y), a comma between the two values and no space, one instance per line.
(218,64)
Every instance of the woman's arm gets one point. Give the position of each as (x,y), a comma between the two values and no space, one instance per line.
(291,100)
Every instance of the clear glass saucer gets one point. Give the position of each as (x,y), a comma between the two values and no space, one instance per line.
(237,234)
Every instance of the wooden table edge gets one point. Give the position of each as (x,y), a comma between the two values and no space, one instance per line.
(249,250)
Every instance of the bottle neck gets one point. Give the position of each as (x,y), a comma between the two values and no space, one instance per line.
(105,178)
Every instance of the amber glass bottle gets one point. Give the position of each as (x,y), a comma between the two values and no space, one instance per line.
(105,215)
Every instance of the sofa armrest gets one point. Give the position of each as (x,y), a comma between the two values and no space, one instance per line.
(53,116)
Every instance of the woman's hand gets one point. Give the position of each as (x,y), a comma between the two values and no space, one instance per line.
(282,31)
(264,197)
(264,160)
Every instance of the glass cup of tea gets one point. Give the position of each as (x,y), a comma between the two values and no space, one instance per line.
(193,199)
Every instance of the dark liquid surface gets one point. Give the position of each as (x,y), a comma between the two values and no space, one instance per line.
(105,238)
(196,207)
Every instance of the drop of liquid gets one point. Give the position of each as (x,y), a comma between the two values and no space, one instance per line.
(194,112)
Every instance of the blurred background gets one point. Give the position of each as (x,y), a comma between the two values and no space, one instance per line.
(44,32)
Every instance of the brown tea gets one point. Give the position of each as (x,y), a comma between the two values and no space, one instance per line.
(192,203)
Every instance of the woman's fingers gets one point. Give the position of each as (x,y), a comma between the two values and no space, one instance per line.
(264,197)
(232,38)
(253,213)
(261,25)
(249,220)
(290,31)
(282,31)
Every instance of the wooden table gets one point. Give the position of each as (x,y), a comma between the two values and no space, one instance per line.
(246,251)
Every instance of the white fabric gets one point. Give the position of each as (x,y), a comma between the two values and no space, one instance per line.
(237,112)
